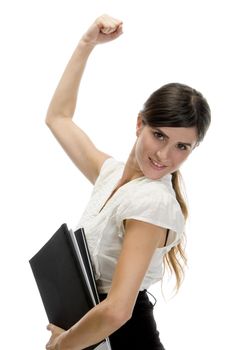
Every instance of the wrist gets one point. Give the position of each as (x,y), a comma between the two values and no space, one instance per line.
(61,341)
(86,45)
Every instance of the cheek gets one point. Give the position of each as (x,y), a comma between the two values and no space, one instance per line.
(180,158)
(147,144)
(138,149)
(143,147)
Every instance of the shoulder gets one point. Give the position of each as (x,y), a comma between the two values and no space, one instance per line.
(146,192)
(109,168)
(154,202)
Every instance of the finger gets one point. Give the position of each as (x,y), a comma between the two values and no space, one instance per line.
(110,29)
(50,327)
(54,329)
(48,346)
(120,29)
(116,34)
(108,24)
(109,20)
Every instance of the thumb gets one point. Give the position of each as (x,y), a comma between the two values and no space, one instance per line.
(50,327)
(55,329)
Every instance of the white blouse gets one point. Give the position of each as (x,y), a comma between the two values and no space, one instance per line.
(152,201)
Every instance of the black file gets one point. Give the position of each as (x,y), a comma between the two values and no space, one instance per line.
(65,279)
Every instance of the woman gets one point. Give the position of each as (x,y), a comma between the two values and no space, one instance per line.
(135,218)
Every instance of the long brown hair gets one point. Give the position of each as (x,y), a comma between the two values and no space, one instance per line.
(177,105)
(176,258)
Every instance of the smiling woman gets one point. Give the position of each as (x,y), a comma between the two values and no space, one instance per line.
(166,148)
(134,221)
(178,117)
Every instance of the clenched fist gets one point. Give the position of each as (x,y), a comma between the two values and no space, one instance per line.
(104,29)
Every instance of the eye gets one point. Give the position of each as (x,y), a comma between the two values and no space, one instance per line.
(158,135)
(182,147)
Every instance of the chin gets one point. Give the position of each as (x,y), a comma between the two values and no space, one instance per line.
(155,172)
(157,177)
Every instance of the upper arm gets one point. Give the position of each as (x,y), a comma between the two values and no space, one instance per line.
(78,146)
(139,244)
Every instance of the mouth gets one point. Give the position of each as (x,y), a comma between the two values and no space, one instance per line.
(157,165)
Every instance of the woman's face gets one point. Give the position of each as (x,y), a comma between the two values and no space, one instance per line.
(161,150)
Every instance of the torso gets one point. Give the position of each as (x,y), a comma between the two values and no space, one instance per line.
(162,244)
(111,202)
(113,192)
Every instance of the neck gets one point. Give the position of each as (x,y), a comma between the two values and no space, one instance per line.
(131,170)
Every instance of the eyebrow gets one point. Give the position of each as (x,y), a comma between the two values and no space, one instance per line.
(166,136)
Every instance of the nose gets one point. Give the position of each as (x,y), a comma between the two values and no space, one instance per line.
(163,154)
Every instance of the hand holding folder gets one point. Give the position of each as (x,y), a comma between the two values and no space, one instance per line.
(65,279)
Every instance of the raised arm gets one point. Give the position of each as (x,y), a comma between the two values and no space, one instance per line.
(74,141)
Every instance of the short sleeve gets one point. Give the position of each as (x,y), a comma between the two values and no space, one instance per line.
(108,169)
(155,204)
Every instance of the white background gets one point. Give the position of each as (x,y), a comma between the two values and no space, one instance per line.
(163,41)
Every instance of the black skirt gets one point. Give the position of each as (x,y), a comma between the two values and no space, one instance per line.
(140,332)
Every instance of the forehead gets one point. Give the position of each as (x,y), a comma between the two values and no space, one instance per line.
(185,135)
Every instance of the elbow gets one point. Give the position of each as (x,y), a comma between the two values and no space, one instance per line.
(116,316)
(51,116)
(52,119)
(48,121)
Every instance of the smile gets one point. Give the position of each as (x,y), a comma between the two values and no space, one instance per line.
(157,165)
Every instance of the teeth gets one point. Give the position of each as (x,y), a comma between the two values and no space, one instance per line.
(158,165)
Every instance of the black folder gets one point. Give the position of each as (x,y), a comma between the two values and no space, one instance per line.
(63,272)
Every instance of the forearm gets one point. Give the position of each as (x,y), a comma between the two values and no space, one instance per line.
(64,99)
(95,326)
